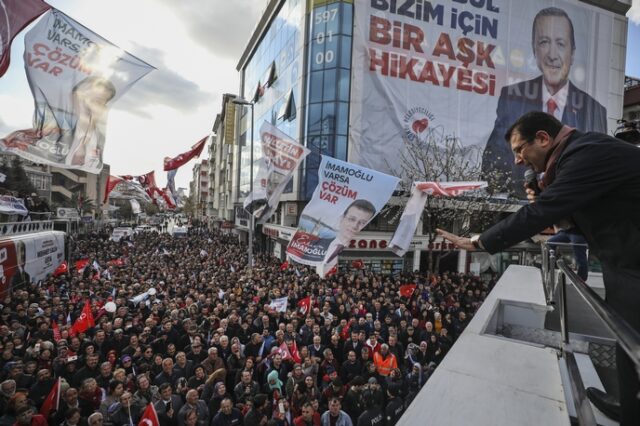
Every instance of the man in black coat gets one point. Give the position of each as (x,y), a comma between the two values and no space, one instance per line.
(553,45)
(593,180)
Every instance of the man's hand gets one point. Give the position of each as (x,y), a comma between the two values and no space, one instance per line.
(531,195)
(461,242)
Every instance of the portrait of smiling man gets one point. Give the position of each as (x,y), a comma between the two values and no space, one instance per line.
(554,46)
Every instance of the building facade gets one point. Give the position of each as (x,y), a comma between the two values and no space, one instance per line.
(297,71)
(222,188)
(200,188)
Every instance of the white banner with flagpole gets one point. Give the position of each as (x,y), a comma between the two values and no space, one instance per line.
(75,77)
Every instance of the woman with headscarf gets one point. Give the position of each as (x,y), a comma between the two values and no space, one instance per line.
(414,381)
(219,393)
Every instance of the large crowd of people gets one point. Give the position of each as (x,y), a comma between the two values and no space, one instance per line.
(193,333)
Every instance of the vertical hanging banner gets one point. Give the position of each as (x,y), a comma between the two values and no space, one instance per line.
(281,156)
(14,16)
(427,69)
(75,77)
(346,199)
(412,213)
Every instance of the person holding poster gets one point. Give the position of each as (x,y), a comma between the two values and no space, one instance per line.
(347,197)
(553,42)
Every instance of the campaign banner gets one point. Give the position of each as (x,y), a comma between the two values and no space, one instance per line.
(281,156)
(415,206)
(469,70)
(75,77)
(29,258)
(280,304)
(12,205)
(347,197)
(15,15)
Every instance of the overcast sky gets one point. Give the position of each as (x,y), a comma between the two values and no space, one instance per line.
(195,46)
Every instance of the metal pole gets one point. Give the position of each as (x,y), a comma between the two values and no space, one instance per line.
(250,249)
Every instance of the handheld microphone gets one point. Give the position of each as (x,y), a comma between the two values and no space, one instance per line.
(531,181)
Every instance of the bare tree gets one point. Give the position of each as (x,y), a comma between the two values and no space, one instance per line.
(443,158)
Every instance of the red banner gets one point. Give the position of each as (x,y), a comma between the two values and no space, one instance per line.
(52,401)
(181,159)
(305,305)
(15,15)
(81,264)
(62,269)
(111,183)
(407,290)
(85,322)
(149,417)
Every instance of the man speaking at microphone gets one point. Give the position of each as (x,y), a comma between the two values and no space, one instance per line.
(594,180)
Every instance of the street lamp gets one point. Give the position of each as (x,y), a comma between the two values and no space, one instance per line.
(244,102)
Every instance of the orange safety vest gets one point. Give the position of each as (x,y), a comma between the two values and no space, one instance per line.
(385,365)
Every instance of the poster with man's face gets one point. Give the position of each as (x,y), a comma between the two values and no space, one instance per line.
(429,70)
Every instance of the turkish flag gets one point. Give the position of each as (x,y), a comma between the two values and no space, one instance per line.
(52,401)
(149,417)
(15,15)
(181,159)
(62,269)
(85,322)
(111,183)
(407,290)
(305,305)
(56,331)
(284,265)
(81,264)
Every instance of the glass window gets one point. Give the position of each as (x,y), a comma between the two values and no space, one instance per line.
(347,19)
(328,118)
(344,85)
(329,89)
(315,118)
(315,86)
(341,148)
(345,52)
(343,118)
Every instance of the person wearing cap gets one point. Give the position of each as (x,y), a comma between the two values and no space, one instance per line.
(395,405)
(41,387)
(334,416)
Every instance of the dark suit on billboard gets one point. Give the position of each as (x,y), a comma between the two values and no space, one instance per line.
(498,167)
(20,280)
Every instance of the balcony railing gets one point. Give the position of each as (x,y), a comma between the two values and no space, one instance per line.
(626,337)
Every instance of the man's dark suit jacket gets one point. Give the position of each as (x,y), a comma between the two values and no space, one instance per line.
(176,404)
(597,186)
(498,168)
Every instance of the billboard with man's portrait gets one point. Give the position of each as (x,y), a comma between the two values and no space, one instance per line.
(469,69)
